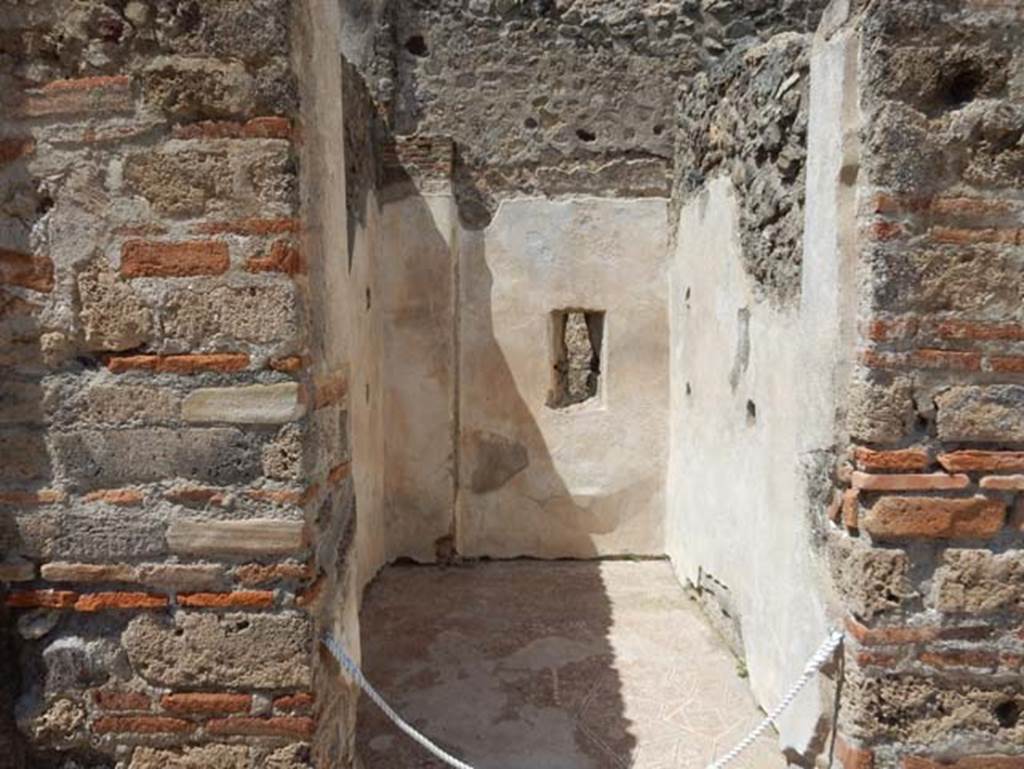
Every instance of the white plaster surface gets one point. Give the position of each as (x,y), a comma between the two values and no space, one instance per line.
(594,473)
(740,501)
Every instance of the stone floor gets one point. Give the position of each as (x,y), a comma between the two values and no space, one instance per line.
(551,665)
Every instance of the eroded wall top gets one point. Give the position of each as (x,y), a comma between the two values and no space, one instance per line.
(558,97)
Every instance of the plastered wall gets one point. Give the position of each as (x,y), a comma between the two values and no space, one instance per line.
(587,479)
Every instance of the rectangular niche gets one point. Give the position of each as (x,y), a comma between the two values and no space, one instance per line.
(577,346)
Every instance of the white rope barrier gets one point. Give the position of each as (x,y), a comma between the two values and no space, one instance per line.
(815,664)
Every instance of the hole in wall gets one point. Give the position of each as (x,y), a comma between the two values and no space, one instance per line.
(417,46)
(366,393)
(1007,713)
(689,390)
(658,129)
(530,122)
(369,298)
(751,412)
(585,136)
(962,87)
(577,339)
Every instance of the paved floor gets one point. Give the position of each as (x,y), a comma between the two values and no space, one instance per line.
(558,665)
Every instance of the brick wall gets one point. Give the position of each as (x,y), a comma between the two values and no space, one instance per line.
(174,439)
(928,522)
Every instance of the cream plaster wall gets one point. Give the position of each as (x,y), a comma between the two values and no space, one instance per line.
(744,488)
(587,480)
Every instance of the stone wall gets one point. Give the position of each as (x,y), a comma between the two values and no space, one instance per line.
(927,529)
(172,426)
(554,96)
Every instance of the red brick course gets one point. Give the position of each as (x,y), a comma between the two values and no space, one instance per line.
(155,259)
(299,727)
(206,702)
(225,362)
(45,599)
(247,599)
(934,518)
(902,459)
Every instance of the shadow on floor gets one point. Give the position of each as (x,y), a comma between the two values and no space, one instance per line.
(550,665)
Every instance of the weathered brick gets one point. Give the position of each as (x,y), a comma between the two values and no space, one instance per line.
(953,329)
(890,635)
(900,459)
(288,365)
(60,571)
(206,702)
(852,757)
(1003,482)
(257,128)
(119,497)
(250,537)
(90,602)
(946,359)
(909,482)
(302,702)
(115,699)
(252,404)
(197,496)
(181,576)
(960,658)
(890,329)
(239,599)
(82,95)
(966,461)
(993,413)
(26,270)
(1006,364)
(225,362)
(330,389)
(283,257)
(141,258)
(339,472)
(934,518)
(299,727)
(141,725)
(46,599)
